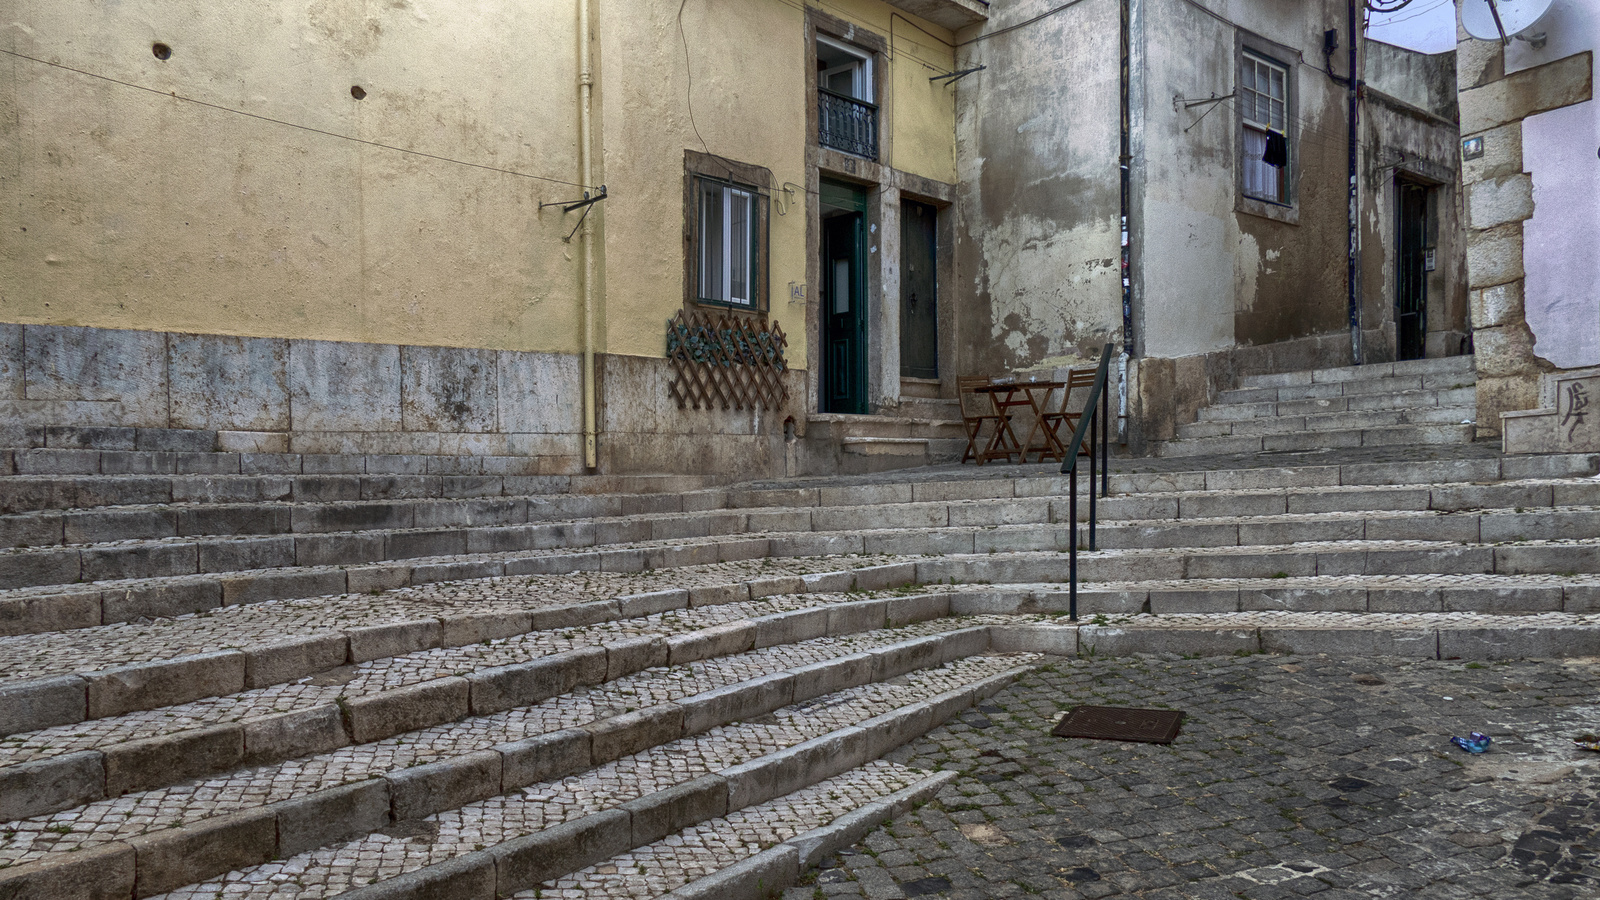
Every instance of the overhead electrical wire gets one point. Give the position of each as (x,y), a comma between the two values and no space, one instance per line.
(1415,15)
(172,95)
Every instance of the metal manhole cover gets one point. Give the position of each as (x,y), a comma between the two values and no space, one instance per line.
(1114,723)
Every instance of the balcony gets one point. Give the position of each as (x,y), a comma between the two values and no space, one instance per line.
(847,124)
(952,14)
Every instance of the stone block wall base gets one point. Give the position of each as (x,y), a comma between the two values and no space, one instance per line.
(1568,422)
(100,389)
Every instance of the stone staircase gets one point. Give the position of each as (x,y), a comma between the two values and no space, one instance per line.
(363,684)
(926,432)
(1424,401)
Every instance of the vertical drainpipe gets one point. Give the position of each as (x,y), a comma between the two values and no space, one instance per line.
(1354,251)
(1125,160)
(586,167)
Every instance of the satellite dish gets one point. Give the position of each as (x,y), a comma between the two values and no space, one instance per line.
(1502,20)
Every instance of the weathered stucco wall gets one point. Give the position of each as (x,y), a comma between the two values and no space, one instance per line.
(126,209)
(1514,100)
(1039,239)
(1215,272)
(1562,298)
(155,221)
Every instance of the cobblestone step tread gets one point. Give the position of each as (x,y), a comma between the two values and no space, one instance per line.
(521,739)
(630,641)
(791,832)
(725,752)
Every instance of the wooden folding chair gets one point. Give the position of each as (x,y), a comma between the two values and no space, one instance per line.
(975,411)
(1062,418)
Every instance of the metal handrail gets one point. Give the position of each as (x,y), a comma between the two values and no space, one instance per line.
(1094,417)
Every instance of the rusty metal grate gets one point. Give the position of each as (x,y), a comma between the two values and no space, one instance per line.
(1115,723)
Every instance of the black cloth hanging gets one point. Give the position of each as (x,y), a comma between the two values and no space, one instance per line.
(1277,154)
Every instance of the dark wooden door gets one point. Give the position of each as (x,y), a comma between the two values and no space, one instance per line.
(844,368)
(919,290)
(1411,291)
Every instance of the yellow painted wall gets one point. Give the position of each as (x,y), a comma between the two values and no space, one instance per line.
(743,76)
(122,208)
(921,115)
(746,63)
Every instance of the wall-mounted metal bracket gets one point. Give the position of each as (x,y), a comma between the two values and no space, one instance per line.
(953,77)
(570,205)
(1189,103)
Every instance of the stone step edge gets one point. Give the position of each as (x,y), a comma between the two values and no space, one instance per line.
(758,876)
(1117,566)
(1281,596)
(44,702)
(164,860)
(1290,442)
(30,609)
(849,494)
(524,863)
(64,607)
(1468,642)
(1321,423)
(50,785)
(572,534)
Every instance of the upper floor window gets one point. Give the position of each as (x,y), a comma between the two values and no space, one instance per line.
(843,69)
(847,118)
(1264,111)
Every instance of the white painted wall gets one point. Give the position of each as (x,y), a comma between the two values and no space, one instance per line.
(1561,243)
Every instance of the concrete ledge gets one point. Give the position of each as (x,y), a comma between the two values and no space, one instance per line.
(792,768)
(628,733)
(377,716)
(468,877)
(151,685)
(171,758)
(818,844)
(105,872)
(507,687)
(42,703)
(1519,643)
(544,757)
(336,814)
(657,815)
(423,790)
(545,855)
(45,786)
(744,700)
(170,859)
(757,876)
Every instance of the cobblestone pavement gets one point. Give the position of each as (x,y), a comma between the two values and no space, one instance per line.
(1293,776)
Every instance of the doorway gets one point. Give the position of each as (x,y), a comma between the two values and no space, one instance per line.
(1414,258)
(919,290)
(844,294)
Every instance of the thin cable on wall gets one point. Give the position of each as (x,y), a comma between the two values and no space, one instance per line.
(333,134)
(688,71)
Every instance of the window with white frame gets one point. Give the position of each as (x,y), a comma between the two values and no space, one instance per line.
(729,243)
(844,69)
(1264,111)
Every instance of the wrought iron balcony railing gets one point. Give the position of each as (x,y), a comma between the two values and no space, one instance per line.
(847,124)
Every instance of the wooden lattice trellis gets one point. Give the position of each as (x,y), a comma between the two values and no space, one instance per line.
(726,361)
